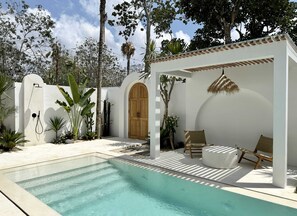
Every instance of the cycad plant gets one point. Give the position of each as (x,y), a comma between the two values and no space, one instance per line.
(55,124)
(77,106)
(5,84)
(9,139)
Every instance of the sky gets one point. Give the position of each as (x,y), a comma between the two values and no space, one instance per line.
(77,20)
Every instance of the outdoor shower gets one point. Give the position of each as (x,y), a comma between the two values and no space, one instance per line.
(38,126)
(36,85)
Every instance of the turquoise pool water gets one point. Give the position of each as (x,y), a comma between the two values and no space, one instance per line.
(111,187)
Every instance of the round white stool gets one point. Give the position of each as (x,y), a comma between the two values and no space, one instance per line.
(219,156)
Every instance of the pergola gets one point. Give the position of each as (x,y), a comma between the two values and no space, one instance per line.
(279,50)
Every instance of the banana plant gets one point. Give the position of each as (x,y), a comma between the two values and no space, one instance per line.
(77,106)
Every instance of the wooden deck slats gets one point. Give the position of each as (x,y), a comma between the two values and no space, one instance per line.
(232,64)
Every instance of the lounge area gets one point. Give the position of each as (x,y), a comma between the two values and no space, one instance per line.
(264,71)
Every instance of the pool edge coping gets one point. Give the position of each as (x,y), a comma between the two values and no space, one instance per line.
(14,191)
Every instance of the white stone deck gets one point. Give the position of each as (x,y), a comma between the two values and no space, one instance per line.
(242,179)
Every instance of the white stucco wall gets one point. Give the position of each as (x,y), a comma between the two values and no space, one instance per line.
(177,106)
(237,119)
(292,112)
(240,118)
(112,95)
(27,103)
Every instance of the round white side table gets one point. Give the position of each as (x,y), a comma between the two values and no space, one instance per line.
(219,156)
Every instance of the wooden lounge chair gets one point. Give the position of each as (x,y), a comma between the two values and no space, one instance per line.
(263,151)
(194,141)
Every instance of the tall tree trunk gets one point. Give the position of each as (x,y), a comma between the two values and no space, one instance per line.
(227,33)
(128,65)
(147,66)
(100,66)
(165,116)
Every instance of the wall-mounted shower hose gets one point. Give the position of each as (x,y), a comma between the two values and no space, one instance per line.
(38,130)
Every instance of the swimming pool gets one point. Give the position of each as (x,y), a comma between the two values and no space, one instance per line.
(96,186)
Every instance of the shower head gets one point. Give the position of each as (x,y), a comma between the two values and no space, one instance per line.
(36,85)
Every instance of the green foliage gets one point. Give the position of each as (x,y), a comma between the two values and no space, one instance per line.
(56,124)
(89,121)
(159,14)
(266,17)
(9,139)
(171,124)
(87,60)
(5,84)
(173,47)
(61,64)
(168,131)
(128,50)
(90,136)
(24,35)
(77,106)
(251,19)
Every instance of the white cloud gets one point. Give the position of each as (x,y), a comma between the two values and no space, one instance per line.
(73,30)
(92,6)
(235,35)
(180,34)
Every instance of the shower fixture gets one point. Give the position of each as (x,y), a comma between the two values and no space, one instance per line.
(36,85)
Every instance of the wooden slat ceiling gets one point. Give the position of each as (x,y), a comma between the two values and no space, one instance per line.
(242,44)
(229,65)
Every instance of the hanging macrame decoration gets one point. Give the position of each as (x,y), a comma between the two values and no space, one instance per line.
(223,84)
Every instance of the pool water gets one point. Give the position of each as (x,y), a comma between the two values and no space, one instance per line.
(111,187)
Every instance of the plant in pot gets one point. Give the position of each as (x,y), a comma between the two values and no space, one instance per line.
(77,106)
(56,124)
(9,139)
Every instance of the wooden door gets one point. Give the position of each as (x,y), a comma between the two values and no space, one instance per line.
(138,112)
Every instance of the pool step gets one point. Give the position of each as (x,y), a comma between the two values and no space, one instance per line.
(69,184)
(75,203)
(35,186)
(44,180)
(70,190)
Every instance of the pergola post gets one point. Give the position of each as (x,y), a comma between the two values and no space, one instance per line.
(154,115)
(280,117)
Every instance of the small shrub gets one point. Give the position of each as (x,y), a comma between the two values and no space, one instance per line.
(9,139)
(55,124)
(90,136)
(67,136)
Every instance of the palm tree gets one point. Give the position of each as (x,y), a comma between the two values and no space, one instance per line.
(128,50)
(102,17)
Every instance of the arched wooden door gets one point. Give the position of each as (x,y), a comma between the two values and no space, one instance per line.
(138,112)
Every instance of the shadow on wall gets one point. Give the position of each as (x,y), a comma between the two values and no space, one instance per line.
(50,113)
(236,119)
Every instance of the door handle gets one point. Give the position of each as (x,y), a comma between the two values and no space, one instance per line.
(138,114)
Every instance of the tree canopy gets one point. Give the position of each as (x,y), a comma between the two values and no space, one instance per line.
(249,18)
(25,37)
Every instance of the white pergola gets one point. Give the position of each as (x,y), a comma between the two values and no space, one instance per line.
(277,49)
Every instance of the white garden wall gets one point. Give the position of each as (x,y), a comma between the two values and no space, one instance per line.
(236,119)
(27,103)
